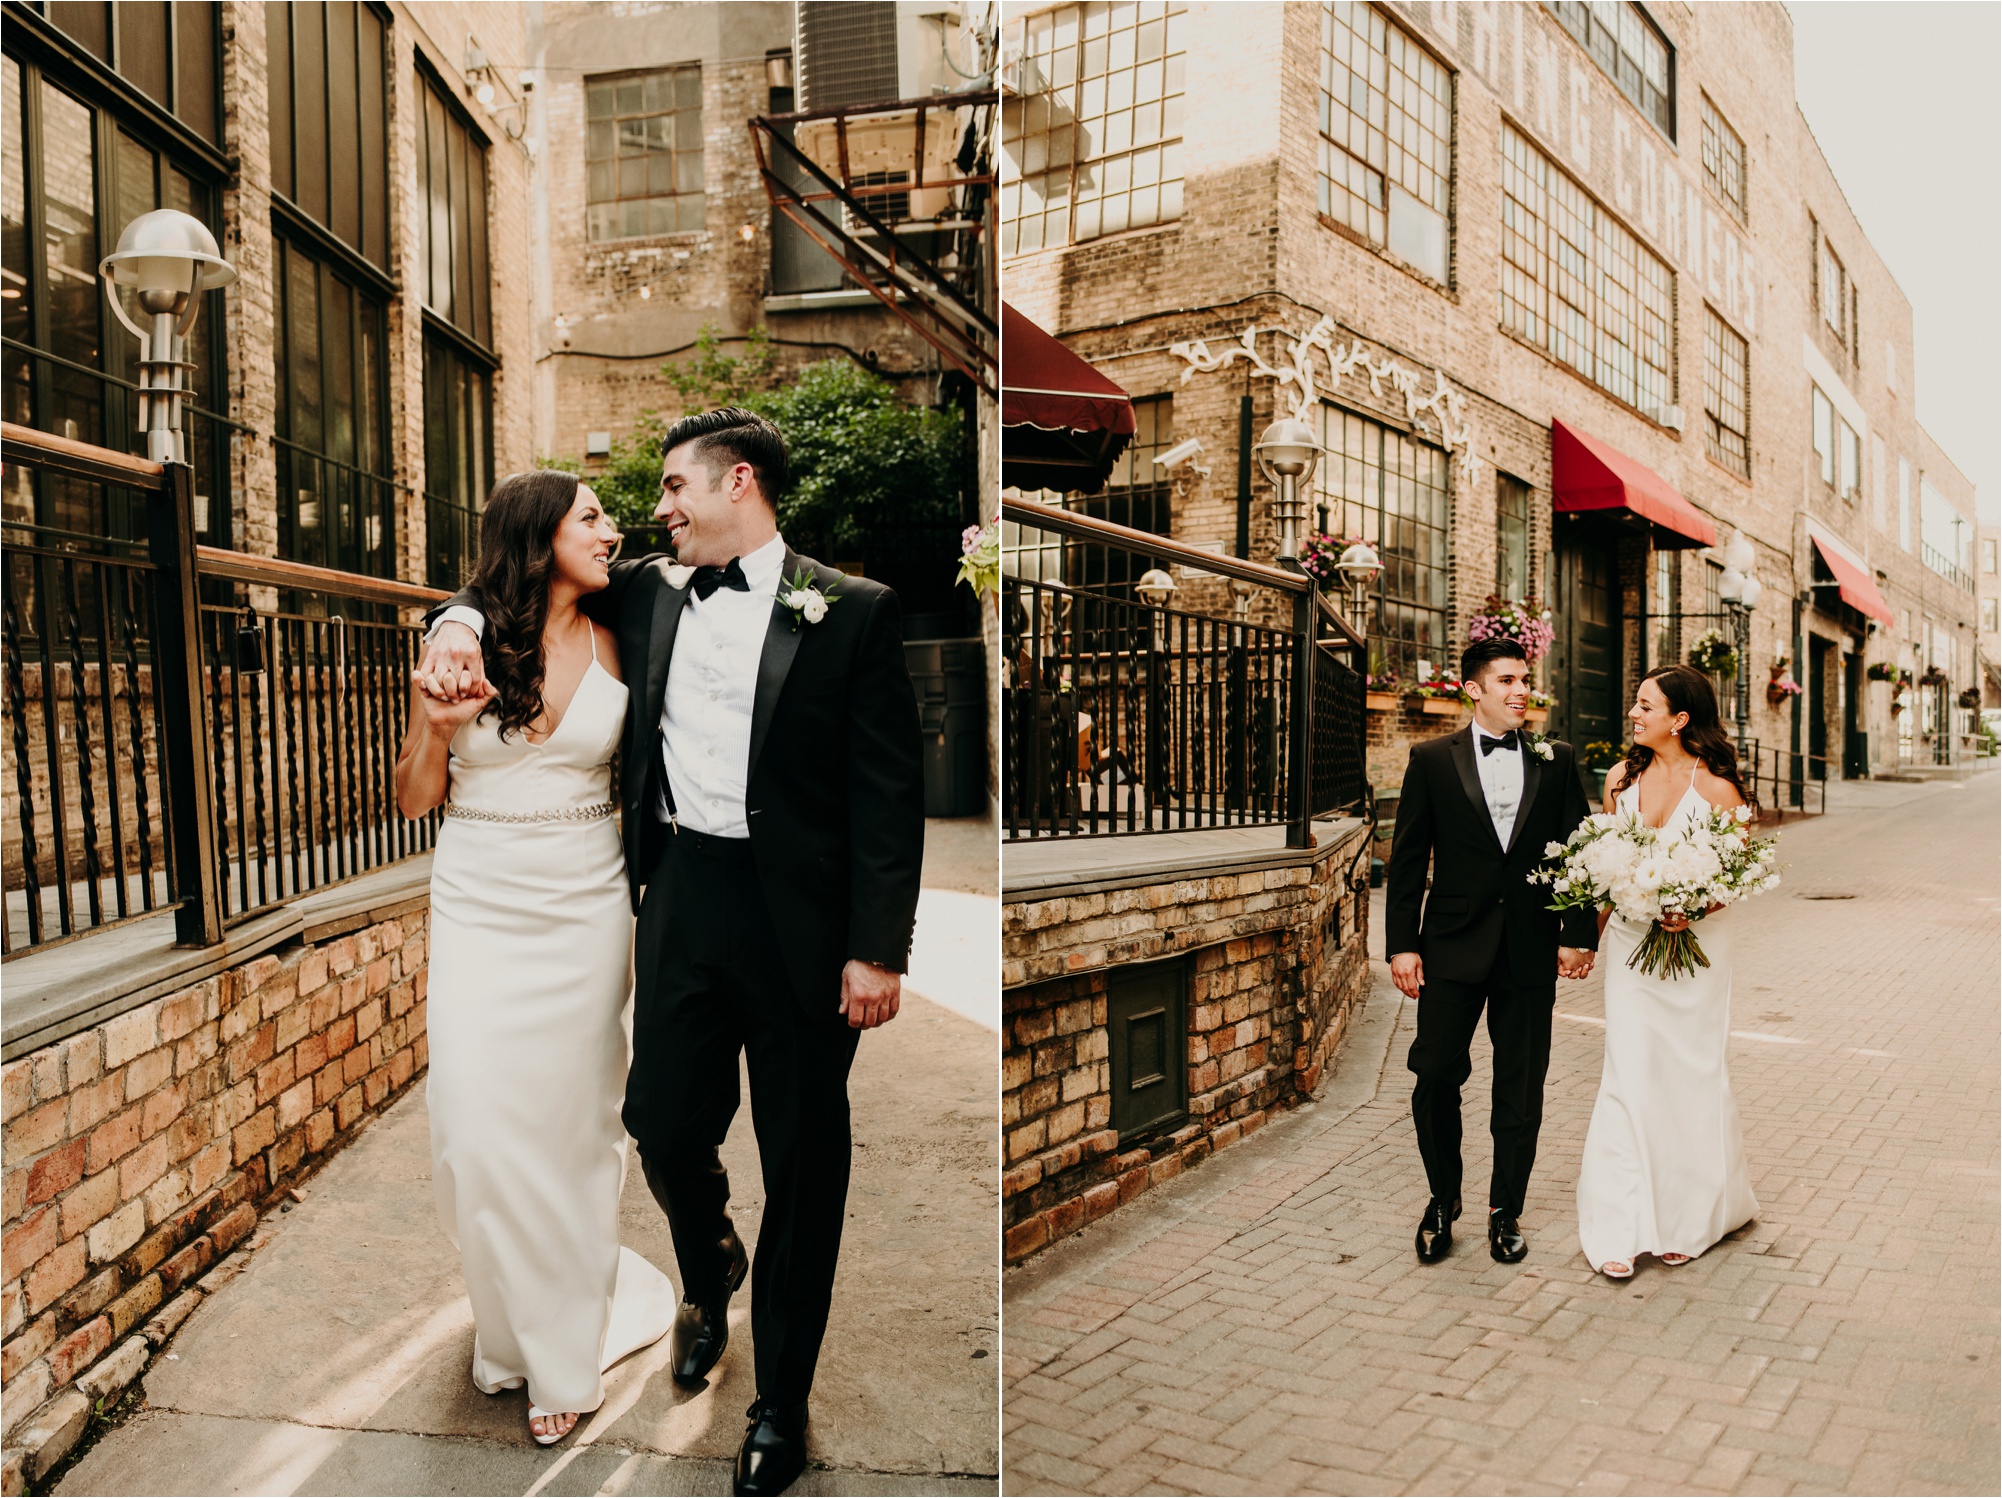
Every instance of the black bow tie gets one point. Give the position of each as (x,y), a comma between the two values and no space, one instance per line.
(708,579)
(1506,741)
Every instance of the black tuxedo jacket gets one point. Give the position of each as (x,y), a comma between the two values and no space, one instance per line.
(1481,894)
(835,794)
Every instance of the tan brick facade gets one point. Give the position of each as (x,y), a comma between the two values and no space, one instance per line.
(139,1151)
(1250,250)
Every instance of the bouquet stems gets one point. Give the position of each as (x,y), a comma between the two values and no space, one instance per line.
(1668,954)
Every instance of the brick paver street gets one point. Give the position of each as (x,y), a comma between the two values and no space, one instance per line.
(1262,1325)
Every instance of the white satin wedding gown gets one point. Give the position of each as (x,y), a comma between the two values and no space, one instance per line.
(530,986)
(1664,1169)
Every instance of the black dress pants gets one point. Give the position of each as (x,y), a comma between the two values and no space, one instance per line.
(1519,1030)
(710,984)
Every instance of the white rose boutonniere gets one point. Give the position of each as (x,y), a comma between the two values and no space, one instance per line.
(678,575)
(1540,746)
(805,600)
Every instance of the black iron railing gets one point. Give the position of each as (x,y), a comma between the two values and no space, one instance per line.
(1234,706)
(170,753)
(1783,783)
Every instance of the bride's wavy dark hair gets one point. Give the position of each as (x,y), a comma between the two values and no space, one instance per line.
(1688,690)
(511,583)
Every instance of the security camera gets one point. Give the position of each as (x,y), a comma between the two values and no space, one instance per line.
(1187,450)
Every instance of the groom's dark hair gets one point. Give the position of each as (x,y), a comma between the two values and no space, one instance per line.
(730,435)
(1484,653)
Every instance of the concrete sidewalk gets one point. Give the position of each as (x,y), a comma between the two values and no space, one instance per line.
(336,1361)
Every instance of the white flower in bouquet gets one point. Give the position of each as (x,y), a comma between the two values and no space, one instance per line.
(1642,873)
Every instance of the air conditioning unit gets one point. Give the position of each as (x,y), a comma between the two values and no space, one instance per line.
(1668,416)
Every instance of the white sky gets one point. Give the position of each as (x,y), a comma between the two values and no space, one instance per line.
(1902,96)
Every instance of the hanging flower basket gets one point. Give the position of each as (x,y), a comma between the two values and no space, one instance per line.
(1714,655)
(1969,697)
(1933,676)
(1780,688)
(1507,619)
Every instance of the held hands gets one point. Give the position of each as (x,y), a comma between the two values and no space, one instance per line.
(869,994)
(453,667)
(444,717)
(1575,962)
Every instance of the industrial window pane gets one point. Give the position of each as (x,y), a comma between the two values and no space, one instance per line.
(143,53)
(309,115)
(1723,158)
(1511,537)
(1852,462)
(1096,143)
(343,123)
(651,126)
(374,158)
(334,496)
(1578,284)
(1726,398)
(338,325)
(195,63)
(1391,490)
(1824,435)
(1628,50)
(278,80)
(1390,184)
(462,228)
(476,213)
(89,25)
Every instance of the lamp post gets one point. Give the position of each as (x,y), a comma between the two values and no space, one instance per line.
(1156,587)
(1360,567)
(1739,592)
(1287,454)
(169,259)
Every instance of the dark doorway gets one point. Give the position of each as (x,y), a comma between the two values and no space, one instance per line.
(1818,678)
(1584,666)
(1855,739)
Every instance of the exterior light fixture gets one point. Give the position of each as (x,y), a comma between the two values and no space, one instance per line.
(1287,454)
(168,258)
(1360,567)
(1156,586)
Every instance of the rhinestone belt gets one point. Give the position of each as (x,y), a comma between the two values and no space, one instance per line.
(595,813)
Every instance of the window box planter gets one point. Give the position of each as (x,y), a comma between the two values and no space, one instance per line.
(1380,702)
(1538,715)
(1442,707)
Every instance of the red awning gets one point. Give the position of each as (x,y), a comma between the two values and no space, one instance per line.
(1063,423)
(1857,587)
(1588,474)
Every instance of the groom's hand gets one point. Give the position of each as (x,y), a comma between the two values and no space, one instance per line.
(869,994)
(1407,971)
(1574,962)
(452,667)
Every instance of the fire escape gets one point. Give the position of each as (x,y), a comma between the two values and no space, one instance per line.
(901,193)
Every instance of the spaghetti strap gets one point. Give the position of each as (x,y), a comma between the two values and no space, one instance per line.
(594,661)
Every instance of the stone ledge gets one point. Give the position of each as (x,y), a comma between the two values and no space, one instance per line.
(57,993)
(1055,868)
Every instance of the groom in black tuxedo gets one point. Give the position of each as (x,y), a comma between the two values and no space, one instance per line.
(1478,808)
(774,830)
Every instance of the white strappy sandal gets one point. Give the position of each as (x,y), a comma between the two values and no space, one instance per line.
(536,1412)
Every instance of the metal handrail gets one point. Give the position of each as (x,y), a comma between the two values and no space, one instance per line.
(1090,528)
(80,460)
(277,572)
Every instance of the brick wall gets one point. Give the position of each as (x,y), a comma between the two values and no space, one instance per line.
(1276,968)
(138,1152)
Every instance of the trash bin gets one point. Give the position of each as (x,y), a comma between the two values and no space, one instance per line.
(951,681)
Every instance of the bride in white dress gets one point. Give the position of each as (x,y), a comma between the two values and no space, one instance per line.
(1664,1170)
(531,965)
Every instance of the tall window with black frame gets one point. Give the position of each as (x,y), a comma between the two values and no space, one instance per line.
(459,361)
(330,216)
(1138,493)
(81,161)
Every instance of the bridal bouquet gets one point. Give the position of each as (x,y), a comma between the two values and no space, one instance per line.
(1618,862)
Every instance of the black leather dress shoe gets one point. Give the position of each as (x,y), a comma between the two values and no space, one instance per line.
(702,1327)
(774,1450)
(1435,1230)
(1505,1240)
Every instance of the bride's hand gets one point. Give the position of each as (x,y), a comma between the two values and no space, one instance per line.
(443,718)
(1674,920)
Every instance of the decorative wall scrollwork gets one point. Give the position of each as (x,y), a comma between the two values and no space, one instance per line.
(1441,407)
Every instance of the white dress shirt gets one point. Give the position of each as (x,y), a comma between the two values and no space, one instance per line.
(712,684)
(1501,781)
